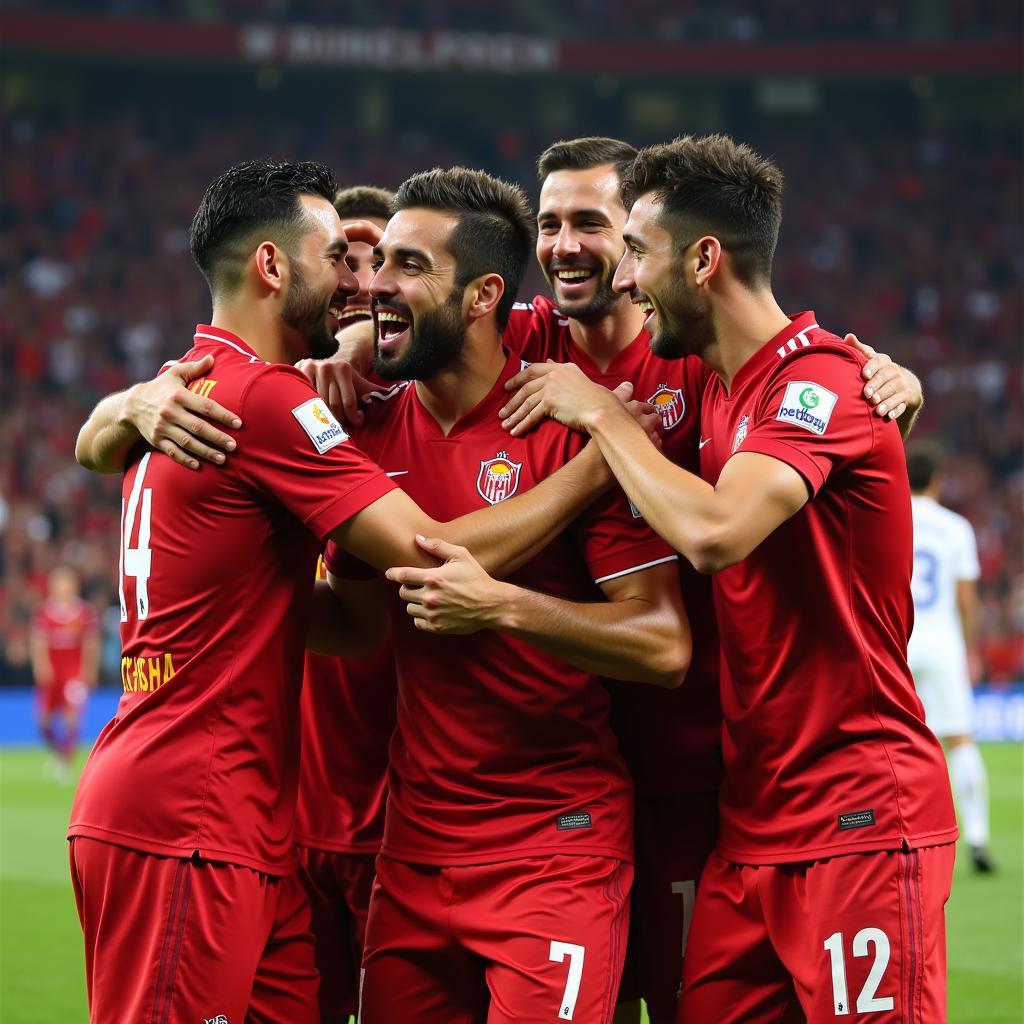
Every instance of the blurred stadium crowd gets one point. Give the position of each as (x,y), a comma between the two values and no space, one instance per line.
(912,241)
(728,20)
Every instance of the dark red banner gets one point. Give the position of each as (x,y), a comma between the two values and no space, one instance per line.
(491,53)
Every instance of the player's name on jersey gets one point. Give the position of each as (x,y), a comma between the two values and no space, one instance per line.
(145,674)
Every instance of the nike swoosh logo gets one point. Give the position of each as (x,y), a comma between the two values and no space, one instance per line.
(399,472)
(700,445)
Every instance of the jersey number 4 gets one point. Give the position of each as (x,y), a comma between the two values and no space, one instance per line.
(137,562)
(867,1001)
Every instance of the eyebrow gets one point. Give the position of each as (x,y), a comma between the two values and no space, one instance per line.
(404,254)
(632,240)
(338,245)
(576,214)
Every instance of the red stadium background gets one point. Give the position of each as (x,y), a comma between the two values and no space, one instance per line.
(896,125)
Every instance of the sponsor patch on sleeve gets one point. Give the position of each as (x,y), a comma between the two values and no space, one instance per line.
(807,405)
(319,423)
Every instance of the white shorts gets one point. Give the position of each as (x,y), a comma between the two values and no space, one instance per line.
(946,695)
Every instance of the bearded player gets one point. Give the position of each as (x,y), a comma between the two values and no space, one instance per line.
(502,885)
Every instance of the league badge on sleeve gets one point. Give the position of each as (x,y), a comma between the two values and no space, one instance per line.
(498,478)
(669,404)
(807,405)
(319,423)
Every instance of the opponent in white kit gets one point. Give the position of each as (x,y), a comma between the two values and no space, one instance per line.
(945,615)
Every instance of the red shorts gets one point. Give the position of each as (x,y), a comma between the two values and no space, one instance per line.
(854,935)
(62,695)
(673,838)
(536,939)
(170,940)
(338,886)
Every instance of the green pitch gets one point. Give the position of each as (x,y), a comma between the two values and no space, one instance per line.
(41,972)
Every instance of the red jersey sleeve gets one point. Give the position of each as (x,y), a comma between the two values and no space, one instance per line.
(615,541)
(293,448)
(813,416)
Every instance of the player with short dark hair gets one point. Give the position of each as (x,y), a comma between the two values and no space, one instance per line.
(502,886)
(942,652)
(834,860)
(670,739)
(189,792)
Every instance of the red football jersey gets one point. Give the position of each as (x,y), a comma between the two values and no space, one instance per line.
(501,750)
(64,628)
(826,750)
(348,716)
(216,572)
(671,739)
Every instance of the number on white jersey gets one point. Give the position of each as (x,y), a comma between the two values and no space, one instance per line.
(925,582)
(137,562)
(867,1001)
(559,951)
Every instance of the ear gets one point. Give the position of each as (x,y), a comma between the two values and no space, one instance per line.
(483,295)
(271,263)
(709,258)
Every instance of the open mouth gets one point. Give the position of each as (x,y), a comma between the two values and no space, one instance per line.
(572,279)
(391,327)
(335,311)
(647,307)
(354,314)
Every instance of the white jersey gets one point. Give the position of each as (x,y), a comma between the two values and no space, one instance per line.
(945,551)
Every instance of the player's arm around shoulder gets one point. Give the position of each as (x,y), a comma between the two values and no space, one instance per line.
(164,413)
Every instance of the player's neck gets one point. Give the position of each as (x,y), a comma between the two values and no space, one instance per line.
(261,329)
(604,338)
(744,321)
(459,388)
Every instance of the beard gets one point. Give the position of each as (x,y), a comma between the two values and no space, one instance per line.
(306,311)
(683,325)
(436,340)
(598,305)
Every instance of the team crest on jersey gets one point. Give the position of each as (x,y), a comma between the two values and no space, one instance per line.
(669,404)
(741,434)
(498,478)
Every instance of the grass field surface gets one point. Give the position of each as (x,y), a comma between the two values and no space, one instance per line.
(41,972)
